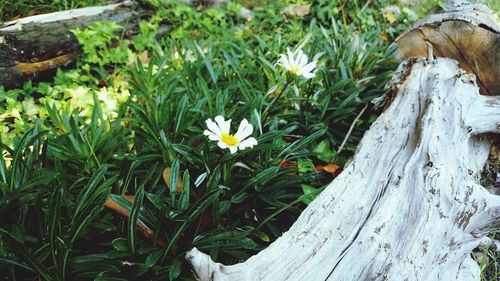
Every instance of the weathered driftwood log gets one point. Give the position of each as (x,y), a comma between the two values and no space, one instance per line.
(32,45)
(409,206)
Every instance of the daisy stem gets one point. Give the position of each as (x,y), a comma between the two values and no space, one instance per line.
(220,158)
(266,111)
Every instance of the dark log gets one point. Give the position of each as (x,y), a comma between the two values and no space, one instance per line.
(34,45)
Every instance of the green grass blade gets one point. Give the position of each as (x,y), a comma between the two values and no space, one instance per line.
(134,216)
(20,250)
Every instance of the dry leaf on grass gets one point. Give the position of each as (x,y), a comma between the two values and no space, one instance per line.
(166,178)
(142,229)
(330,168)
(297,10)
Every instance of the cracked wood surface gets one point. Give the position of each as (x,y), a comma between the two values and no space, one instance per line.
(409,205)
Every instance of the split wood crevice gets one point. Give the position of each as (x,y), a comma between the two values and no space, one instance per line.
(409,206)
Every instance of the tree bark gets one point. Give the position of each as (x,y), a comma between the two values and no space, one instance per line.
(408,207)
(33,45)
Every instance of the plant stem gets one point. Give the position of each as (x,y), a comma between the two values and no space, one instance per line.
(220,158)
(351,128)
(264,115)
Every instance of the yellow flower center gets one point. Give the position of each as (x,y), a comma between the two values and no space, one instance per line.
(294,69)
(228,139)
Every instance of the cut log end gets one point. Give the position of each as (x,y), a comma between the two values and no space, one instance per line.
(468,33)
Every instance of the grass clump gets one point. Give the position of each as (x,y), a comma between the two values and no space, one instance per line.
(124,129)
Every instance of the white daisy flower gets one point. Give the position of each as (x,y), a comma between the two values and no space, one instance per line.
(296,63)
(219,131)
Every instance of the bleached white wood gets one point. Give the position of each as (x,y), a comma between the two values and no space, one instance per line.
(409,205)
(483,115)
(490,243)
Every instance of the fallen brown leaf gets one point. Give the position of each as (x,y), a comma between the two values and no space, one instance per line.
(142,229)
(297,10)
(330,168)
(166,178)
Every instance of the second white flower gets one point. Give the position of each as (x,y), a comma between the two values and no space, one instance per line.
(297,63)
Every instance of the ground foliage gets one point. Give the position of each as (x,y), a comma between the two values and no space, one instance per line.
(108,129)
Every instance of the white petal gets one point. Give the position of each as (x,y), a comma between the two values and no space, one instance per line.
(283,61)
(233,149)
(301,58)
(250,142)
(309,67)
(291,59)
(211,135)
(222,145)
(213,127)
(223,125)
(245,129)
(308,75)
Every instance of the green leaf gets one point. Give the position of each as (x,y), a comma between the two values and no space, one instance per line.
(134,215)
(120,244)
(262,236)
(224,207)
(207,64)
(154,257)
(239,197)
(174,175)
(305,165)
(23,253)
(309,193)
(89,191)
(190,154)
(175,269)
(181,112)
(199,180)
(10,261)
(300,144)
(3,168)
(184,198)
(263,176)
(323,151)
(54,232)
(213,181)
